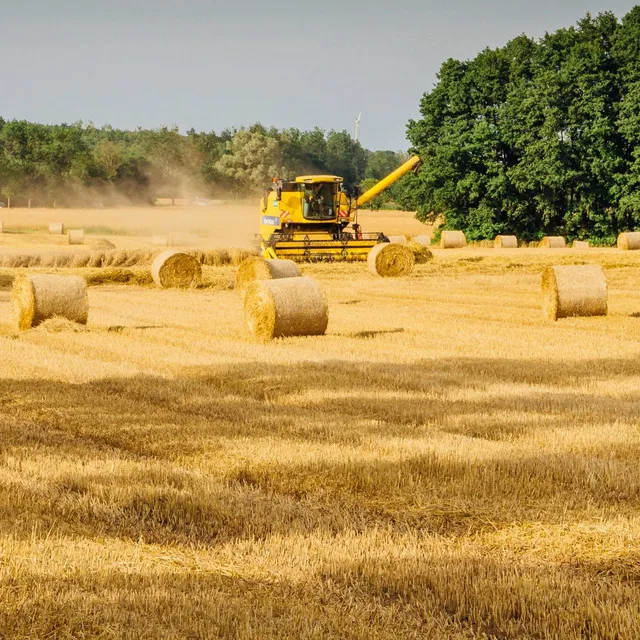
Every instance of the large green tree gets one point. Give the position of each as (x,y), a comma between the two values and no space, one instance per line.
(537,136)
(253,159)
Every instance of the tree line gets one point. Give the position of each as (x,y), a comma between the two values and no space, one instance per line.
(82,165)
(537,137)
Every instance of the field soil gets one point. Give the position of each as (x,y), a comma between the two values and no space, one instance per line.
(442,464)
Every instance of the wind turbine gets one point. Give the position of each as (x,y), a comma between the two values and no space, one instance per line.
(357,136)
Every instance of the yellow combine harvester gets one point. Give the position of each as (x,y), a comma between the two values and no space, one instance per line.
(312,218)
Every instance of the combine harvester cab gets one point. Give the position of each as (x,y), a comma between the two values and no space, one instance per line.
(312,218)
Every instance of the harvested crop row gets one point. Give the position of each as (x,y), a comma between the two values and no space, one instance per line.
(116,258)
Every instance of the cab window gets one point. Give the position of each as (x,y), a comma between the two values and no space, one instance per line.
(319,201)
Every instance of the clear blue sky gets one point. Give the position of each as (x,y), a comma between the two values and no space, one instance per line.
(210,64)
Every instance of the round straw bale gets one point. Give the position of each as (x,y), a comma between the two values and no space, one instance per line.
(39,297)
(453,240)
(398,239)
(160,241)
(285,307)
(1,226)
(580,244)
(76,236)
(258,268)
(423,239)
(421,254)
(575,290)
(176,269)
(56,228)
(629,241)
(552,242)
(505,242)
(390,260)
(103,245)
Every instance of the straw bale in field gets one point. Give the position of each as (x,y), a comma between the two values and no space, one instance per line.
(552,242)
(390,260)
(103,245)
(56,228)
(421,254)
(574,290)
(423,239)
(258,268)
(580,244)
(76,236)
(160,241)
(176,269)
(453,240)
(285,307)
(629,241)
(1,226)
(398,239)
(38,297)
(183,239)
(505,242)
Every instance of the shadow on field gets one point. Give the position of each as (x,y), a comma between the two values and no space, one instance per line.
(183,460)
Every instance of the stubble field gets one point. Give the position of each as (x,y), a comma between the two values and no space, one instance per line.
(442,464)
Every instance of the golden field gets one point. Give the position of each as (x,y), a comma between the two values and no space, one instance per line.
(442,464)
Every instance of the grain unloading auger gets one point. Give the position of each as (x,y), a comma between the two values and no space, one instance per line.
(312,218)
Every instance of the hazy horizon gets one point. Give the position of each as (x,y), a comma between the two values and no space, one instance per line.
(212,66)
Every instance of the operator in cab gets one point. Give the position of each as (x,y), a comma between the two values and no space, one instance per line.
(318,201)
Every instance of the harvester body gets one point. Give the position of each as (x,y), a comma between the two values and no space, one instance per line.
(312,218)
